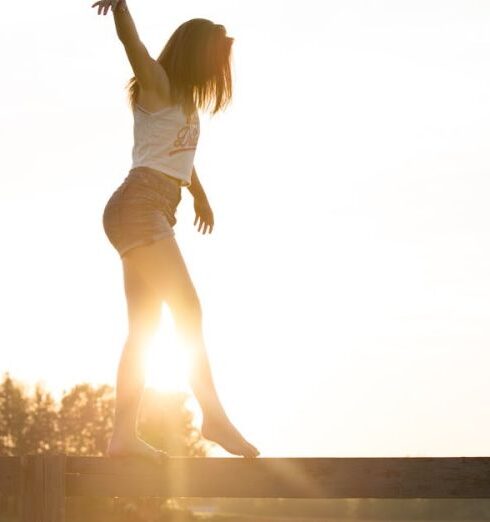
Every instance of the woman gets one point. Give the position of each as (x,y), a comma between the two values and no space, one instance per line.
(192,72)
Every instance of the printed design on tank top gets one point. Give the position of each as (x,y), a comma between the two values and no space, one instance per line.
(187,136)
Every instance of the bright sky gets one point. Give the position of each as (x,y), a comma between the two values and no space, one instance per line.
(346,284)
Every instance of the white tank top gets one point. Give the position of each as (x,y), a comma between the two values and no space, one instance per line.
(165,140)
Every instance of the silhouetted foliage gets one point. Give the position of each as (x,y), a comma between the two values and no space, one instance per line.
(166,423)
(41,429)
(82,422)
(85,419)
(14,418)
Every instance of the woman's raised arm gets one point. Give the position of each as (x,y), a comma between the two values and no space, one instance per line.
(149,73)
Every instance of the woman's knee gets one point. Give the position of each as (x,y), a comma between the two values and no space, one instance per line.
(161,267)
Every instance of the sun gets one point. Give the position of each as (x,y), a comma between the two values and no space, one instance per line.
(167,362)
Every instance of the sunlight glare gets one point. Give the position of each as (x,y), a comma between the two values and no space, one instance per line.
(167,362)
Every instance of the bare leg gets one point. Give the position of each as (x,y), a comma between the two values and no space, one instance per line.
(144,309)
(162,267)
(216,425)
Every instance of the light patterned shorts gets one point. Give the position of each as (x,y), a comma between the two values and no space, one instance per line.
(141,210)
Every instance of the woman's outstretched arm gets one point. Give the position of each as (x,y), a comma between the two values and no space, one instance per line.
(125,28)
(149,73)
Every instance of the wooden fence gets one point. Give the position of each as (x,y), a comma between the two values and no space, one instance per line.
(44,481)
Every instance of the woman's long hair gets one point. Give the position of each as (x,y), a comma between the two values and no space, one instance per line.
(196,59)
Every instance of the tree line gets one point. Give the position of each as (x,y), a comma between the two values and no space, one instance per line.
(81,423)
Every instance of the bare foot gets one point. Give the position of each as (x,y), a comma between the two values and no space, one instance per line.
(134,448)
(222,431)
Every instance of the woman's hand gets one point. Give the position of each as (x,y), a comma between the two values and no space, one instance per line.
(203,213)
(105,4)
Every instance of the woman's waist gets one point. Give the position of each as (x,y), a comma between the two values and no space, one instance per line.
(156,172)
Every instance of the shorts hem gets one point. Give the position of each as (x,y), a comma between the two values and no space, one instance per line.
(145,241)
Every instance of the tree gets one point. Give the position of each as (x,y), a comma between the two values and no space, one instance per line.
(42,431)
(13,417)
(86,420)
(82,423)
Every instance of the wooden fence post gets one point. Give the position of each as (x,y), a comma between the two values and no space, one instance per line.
(32,488)
(43,488)
(54,488)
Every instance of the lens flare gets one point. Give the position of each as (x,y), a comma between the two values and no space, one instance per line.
(167,362)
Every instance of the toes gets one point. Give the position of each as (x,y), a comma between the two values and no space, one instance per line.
(250,451)
(255,452)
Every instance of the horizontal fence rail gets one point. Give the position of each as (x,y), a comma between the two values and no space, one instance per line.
(44,481)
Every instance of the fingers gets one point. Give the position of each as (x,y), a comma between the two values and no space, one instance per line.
(205,224)
(93,5)
(201,224)
(101,5)
(107,5)
(104,5)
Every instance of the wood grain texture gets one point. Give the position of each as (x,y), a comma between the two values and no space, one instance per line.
(46,480)
(32,489)
(54,488)
(9,476)
(42,488)
(458,477)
